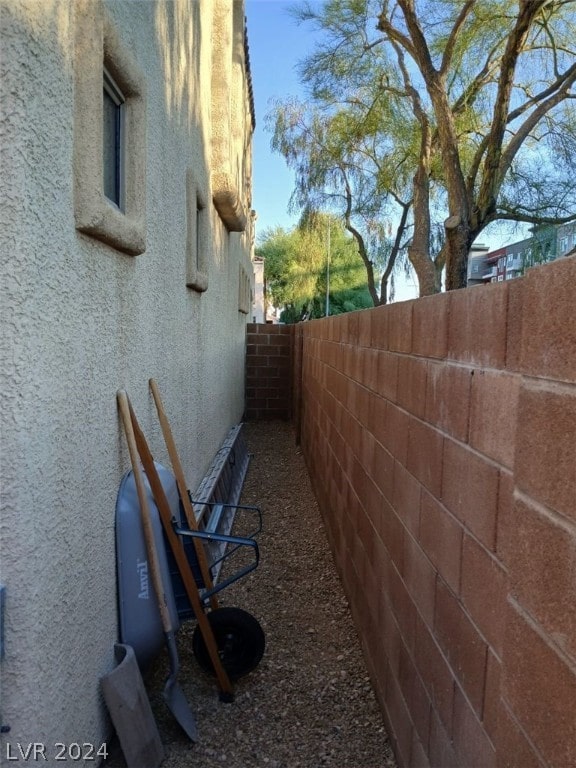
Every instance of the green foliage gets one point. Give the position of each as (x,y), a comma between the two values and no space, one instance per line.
(442,109)
(297,264)
(343,164)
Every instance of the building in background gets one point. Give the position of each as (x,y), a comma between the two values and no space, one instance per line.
(566,239)
(477,263)
(126,241)
(495,266)
(518,256)
(544,245)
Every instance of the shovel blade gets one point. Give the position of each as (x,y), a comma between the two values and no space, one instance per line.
(130,711)
(174,695)
(178,705)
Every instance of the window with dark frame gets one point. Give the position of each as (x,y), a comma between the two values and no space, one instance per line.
(113,141)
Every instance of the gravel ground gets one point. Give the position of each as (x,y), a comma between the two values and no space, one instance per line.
(309,703)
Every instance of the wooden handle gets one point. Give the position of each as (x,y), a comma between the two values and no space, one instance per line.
(140,446)
(182,488)
(155,572)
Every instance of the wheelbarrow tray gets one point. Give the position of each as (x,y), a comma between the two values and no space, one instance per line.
(140,624)
(139,618)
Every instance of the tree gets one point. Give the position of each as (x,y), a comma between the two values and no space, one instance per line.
(305,266)
(339,168)
(485,92)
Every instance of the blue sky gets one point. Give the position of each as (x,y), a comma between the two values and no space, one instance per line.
(276,43)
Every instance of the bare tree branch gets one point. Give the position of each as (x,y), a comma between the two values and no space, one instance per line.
(357,235)
(559,83)
(394,34)
(453,36)
(528,10)
(515,215)
(396,248)
(484,76)
(530,123)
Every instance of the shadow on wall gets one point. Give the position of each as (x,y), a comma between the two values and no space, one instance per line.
(178,37)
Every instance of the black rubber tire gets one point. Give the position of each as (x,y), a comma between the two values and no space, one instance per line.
(239,638)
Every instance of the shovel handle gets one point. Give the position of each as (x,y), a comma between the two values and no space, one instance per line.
(182,488)
(124,407)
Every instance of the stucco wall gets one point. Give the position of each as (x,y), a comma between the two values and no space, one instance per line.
(440,436)
(80,320)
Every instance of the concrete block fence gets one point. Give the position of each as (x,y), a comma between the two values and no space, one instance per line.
(269,371)
(440,436)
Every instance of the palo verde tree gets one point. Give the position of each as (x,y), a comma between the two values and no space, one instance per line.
(313,268)
(472,101)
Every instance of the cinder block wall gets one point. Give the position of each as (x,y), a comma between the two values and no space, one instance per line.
(268,372)
(440,435)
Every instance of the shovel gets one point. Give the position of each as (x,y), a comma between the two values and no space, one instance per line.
(173,694)
(129,708)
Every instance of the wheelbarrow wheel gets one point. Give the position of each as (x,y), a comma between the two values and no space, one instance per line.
(239,638)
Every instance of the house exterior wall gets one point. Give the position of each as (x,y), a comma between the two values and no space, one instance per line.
(444,463)
(82,318)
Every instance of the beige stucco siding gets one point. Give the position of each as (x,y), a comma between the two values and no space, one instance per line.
(81,319)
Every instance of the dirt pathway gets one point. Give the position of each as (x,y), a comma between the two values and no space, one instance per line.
(309,703)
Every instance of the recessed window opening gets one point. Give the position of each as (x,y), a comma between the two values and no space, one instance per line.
(199,223)
(109,103)
(113,141)
(197,236)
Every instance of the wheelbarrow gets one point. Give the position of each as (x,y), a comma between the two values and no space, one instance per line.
(227,642)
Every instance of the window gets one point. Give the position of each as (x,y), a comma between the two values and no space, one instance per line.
(113,141)
(197,236)
(199,213)
(109,134)
(244,291)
